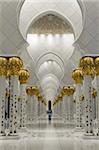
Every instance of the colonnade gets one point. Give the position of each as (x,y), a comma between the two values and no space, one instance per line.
(18,103)
(13,96)
(9,93)
(36,104)
(21,104)
(65,99)
(86,97)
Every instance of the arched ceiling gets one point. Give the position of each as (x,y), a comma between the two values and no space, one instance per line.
(32,9)
(50,24)
(50,29)
(18,16)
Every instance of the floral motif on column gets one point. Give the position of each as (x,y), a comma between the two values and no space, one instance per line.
(87,65)
(15,64)
(23,78)
(97,83)
(68,92)
(3,74)
(77,75)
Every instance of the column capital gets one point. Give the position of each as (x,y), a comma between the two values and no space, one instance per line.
(3,66)
(87,65)
(97,66)
(23,76)
(60,97)
(77,75)
(40,97)
(32,90)
(68,90)
(15,64)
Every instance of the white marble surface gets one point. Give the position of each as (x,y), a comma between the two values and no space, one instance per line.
(52,136)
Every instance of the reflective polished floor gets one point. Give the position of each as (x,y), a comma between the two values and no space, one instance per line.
(44,135)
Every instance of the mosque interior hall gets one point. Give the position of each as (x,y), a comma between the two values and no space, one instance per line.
(49,74)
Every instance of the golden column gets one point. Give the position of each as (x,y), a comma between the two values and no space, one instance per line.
(87,65)
(78,78)
(23,78)
(3,74)
(15,64)
(97,83)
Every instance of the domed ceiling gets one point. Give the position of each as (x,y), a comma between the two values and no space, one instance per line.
(50,24)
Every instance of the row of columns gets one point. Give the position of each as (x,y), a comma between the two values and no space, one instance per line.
(86,97)
(36,104)
(65,100)
(90,69)
(11,71)
(17,101)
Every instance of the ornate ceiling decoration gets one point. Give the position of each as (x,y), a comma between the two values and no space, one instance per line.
(50,24)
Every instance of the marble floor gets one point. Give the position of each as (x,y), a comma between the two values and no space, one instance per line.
(49,136)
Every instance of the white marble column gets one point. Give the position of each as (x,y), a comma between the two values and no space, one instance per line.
(28,108)
(63,108)
(87,65)
(60,108)
(94,97)
(3,73)
(13,123)
(97,89)
(83,111)
(2,104)
(36,107)
(68,92)
(78,106)
(69,111)
(15,64)
(23,97)
(44,108)
(23,77)
(39,108)
(97,102)
(32,107)
(88,105)
(77,75)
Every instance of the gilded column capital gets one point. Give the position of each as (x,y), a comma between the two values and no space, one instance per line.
(77,75)
(3,66)
(15,64)
(87,65)
(97,66)
(32,90)
(23,76)
(60,97)
(29,91)
(40,97)
(56,99)
(68,90)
